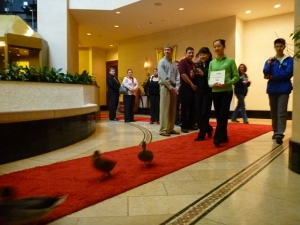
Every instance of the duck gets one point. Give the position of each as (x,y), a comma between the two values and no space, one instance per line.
(103,164)
(144,155)
(26,210)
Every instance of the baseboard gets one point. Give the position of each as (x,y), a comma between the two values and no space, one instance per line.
(250,113)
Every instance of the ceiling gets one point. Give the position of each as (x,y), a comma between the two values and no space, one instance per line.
(151,16)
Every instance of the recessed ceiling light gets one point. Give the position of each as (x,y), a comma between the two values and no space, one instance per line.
(248,11)
(88,34)
(116,26)
(277,6)
(118,12)
(111,45)
(181,9)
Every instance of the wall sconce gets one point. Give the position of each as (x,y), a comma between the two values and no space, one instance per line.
(146,65)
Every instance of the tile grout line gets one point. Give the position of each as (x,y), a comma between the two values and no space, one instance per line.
(202,206)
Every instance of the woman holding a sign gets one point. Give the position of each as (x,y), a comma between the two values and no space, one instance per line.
(222,74)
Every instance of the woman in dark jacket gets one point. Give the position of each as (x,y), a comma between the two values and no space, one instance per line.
(203,94)
(240,91)
(152,87)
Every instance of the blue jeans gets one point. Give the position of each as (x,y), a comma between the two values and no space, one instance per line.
(278,106)
(240,107)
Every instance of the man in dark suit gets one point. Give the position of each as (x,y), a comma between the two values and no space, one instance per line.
(113,93)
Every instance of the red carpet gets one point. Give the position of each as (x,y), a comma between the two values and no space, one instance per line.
(80,180)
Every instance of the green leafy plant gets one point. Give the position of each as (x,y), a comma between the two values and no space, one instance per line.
(15,72)
(296,37)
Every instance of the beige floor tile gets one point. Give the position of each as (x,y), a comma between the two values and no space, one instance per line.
(190,187)
(180,175)
(215,158)
(212,174)
(105,208)
(198,166)
(159,205)
(250,208)
(65,221)
(129,220)
(229,165)
(153,188)
(208,222)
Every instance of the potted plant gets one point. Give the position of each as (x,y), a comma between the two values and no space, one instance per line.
(296,37)
(15,72)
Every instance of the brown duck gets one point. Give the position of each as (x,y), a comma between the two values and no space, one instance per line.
(145,155)
(102,164)
(25,210)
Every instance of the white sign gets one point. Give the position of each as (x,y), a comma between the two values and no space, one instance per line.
(217,77)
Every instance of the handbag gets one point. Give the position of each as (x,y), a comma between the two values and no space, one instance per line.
(123,90)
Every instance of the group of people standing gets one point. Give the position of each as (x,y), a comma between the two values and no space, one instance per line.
(113,84)
(197,92)
(197,86)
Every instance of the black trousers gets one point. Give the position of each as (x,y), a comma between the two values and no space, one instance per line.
(154,107)
(203,109)
(113,105)
(129,101)
(222,102)
(187,97)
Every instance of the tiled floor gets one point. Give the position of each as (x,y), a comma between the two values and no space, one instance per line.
(271,196)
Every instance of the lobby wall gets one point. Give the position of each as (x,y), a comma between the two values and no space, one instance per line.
(249,42)
(259,36)
(134,52)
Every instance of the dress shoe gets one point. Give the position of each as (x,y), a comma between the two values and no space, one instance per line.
(199,139)
(209,133)
(132,120)
(193,128)
(174,132)
(246,122)
(165,134)
(115,119)
(216,143)
(225,140)
(151,122)
(235,121)
(178,123)
(127,121)
(279,140)
(184,130)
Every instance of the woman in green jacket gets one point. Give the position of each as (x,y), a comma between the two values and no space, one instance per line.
(222,74)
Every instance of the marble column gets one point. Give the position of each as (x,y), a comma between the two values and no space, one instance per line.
(294,148)
(59,28)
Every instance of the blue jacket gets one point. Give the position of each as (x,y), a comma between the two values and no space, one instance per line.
(281,76)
